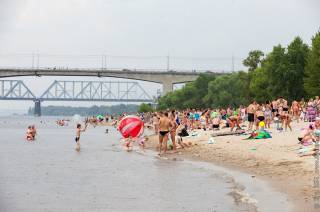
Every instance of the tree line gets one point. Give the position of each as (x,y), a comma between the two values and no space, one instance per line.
(86,111)
(292,72)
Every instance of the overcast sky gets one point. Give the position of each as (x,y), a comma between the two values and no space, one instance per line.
(186,30)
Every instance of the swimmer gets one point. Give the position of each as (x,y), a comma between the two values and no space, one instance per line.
(107,131)
(29,136)
(78,132)
(33,132)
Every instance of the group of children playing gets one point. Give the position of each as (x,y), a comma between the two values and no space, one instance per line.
(141,141)
(31,133)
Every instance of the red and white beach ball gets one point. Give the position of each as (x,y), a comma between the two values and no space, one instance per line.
(131,126)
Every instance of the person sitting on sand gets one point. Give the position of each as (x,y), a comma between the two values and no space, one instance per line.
(307,136)
(78,132)
(234,121)
(179,135)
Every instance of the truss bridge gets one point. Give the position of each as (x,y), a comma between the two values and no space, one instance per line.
(98,91)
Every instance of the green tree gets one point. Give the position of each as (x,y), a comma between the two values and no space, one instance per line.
(259,85)
(276,67)
(312,71)
(228,90)
(190,96)
(253,60)
(144,108)
(297,53)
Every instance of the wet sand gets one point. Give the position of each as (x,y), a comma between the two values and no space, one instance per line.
(275,160)
(49,175)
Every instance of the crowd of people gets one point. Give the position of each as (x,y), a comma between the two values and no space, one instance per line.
(173,125)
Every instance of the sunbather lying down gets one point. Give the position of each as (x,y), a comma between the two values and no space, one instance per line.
(313,152)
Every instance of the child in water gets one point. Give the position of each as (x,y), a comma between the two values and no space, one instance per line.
(141,142)
(128,143)
(78,132)
(29,133)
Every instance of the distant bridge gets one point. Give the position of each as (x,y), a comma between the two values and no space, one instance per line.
(166,78)
(76,91)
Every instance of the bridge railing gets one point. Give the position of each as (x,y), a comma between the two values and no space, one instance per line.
(108,69)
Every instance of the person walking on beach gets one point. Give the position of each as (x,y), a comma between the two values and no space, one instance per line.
(251,111)
(165,125)
(155,122)
(173,130)
(78,132)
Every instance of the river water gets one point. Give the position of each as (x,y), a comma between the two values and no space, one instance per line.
(49,175)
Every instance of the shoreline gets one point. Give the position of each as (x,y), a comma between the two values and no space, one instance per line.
(275,160)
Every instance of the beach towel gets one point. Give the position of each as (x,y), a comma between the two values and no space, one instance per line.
(237,132)
(259,135)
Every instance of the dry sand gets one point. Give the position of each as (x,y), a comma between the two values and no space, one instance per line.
(275,159)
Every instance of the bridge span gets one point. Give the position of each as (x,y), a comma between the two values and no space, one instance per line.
(166,78)
(101,91)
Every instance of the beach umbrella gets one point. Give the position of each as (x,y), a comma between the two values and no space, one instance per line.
(131,126)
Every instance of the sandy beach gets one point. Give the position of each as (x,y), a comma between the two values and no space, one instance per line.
(276,160)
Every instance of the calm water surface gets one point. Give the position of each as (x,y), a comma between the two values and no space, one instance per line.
(48,175)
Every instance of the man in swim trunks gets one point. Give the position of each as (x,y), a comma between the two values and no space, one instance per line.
(274,108)
(165,125)
(282,105)
(251,109)
(78,132)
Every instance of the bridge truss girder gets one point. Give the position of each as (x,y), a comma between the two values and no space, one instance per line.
(15,90)
(95,91)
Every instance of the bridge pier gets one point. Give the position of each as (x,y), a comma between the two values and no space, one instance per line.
(37,107)
(167,87)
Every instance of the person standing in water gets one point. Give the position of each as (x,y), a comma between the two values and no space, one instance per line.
(165,125)
(78,132)
(173,130)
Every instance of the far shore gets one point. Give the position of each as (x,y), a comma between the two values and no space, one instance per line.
(276,160)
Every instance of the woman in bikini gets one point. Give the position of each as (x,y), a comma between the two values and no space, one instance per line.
(295,110)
